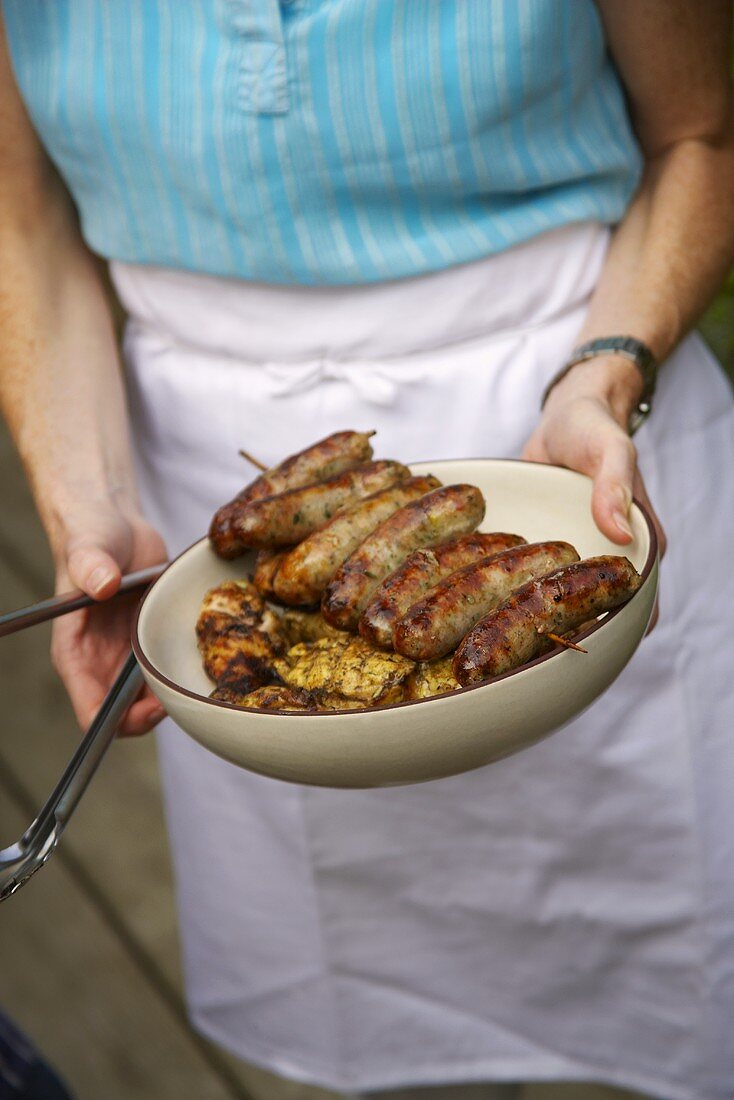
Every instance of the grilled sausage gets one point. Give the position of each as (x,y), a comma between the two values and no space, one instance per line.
(418,574)
(288,518)
(560,602)
(325,459)
(436,517)
(267,564)
(436,624)
(305,571)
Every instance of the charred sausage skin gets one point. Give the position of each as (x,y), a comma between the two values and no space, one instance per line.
(559,602)
(436,517)
(436,624)
(418,574)
(267,564)
(327,458)
(289,517)
(303,573)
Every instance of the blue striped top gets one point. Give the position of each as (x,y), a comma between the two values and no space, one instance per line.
(324,141)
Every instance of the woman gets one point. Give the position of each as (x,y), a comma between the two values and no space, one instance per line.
(409,204)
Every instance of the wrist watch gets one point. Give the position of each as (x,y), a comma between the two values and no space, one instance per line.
(632,349)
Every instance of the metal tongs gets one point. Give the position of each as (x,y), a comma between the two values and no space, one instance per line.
(21,860)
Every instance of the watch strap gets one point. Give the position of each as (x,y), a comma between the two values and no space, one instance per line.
(631,348)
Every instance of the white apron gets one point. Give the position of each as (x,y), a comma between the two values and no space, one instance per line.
(567,913)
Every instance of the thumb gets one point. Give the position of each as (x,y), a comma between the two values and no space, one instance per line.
(93,569)
(613,481)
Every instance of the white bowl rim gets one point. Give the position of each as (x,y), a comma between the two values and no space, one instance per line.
(156,674)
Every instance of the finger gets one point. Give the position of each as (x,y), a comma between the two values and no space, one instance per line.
(94,571)
(141,718)
(534,450)
(88,695)
(612,493)
(144,713)
(85,691)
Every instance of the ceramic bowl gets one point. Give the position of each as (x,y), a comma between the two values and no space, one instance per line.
(408,742)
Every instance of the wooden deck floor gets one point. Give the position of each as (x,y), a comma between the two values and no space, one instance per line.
(88,951)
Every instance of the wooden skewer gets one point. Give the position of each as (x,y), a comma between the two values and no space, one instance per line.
(261,466)
(254,461)
(563,641)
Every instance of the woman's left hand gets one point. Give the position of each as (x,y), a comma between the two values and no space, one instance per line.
(583,427)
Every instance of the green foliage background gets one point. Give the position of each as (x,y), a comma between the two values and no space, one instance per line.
(718,324)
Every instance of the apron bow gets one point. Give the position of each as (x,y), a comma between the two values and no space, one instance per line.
(373,384)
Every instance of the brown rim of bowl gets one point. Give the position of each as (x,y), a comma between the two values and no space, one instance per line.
(377,709)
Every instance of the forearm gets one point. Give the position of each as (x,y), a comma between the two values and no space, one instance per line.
(666,261)
(670,254)
(672,250)
(60,383)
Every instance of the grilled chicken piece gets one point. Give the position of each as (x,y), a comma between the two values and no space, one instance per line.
(307,626)
(239,636)
(241,656)
(430,678)
(238,600)
(346,672)
(272,697)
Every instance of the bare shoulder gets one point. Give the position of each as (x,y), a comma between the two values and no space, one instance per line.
(673,58)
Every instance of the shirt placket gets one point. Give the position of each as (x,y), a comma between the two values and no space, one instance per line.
(263,75)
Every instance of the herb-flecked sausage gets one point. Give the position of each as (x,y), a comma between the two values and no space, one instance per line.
(436,624)
(288,518)
(327,458)
(418,574)
(436,517)
(560,602)
(304,572)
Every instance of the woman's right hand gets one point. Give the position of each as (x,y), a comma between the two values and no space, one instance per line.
(99,541)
